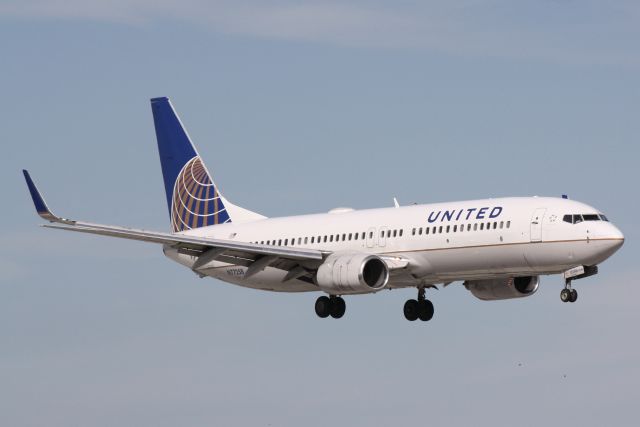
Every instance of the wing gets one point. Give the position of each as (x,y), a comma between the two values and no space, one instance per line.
(254,256)
(299,262)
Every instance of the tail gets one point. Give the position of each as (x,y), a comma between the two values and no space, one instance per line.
(193,199)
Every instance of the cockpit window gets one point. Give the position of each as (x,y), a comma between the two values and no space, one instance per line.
(578,218)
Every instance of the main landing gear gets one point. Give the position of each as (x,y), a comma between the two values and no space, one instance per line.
(421,308)
(568,294)
(330,306)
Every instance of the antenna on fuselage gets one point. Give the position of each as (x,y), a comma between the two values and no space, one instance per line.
(395,203)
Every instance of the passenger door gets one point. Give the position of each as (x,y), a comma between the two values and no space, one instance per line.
(536,224)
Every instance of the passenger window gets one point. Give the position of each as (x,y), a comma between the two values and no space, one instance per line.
(448,228)
(355,236)
(420,231)
(388,233)
(475,227)
(440,230)
(350,236)
(433,230)
(344,237)
(363,235)
(395,233)
(501,224)
(508,224)
(482,226)
(495,225)
(400,233)
(455,228)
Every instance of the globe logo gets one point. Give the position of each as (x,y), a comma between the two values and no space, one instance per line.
(196,202)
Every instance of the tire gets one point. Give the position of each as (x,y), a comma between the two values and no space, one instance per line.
(565,295)
(323,306)
(574,296)
(338,307)
(425,311)
(411,310)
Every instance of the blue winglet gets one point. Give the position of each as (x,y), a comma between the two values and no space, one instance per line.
(41,206)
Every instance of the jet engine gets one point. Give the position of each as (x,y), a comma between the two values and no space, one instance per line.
(352,273)
(506,288)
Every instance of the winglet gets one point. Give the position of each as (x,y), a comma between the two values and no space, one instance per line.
(41,206)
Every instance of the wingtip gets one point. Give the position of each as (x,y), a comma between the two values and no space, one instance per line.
(38,201)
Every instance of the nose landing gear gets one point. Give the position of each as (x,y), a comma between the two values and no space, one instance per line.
(580,272)
(568,294)
(421,308)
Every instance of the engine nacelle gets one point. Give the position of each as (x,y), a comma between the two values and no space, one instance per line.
(507,288)
(352,273)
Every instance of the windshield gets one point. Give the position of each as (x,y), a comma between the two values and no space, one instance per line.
(578,218)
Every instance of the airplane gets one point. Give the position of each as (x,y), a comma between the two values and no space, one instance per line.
(498,248)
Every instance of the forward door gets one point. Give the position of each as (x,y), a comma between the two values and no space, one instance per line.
(536,224)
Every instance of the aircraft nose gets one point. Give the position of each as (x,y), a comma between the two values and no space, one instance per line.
(615,238)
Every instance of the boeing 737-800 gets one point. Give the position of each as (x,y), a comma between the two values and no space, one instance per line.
(498,248)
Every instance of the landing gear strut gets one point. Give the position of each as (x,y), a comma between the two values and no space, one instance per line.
(330,306)
(568,294)
(421,308)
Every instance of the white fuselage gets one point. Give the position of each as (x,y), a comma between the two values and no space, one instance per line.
(443,242)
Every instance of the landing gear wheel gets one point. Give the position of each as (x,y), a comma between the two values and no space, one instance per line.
(425,310)
(323,306)
(565,295)
(574,295)
(338,307)
(411,310)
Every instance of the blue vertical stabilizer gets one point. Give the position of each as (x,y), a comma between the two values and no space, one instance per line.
(192,197)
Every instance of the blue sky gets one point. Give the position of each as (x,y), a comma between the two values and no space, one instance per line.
(299,107)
